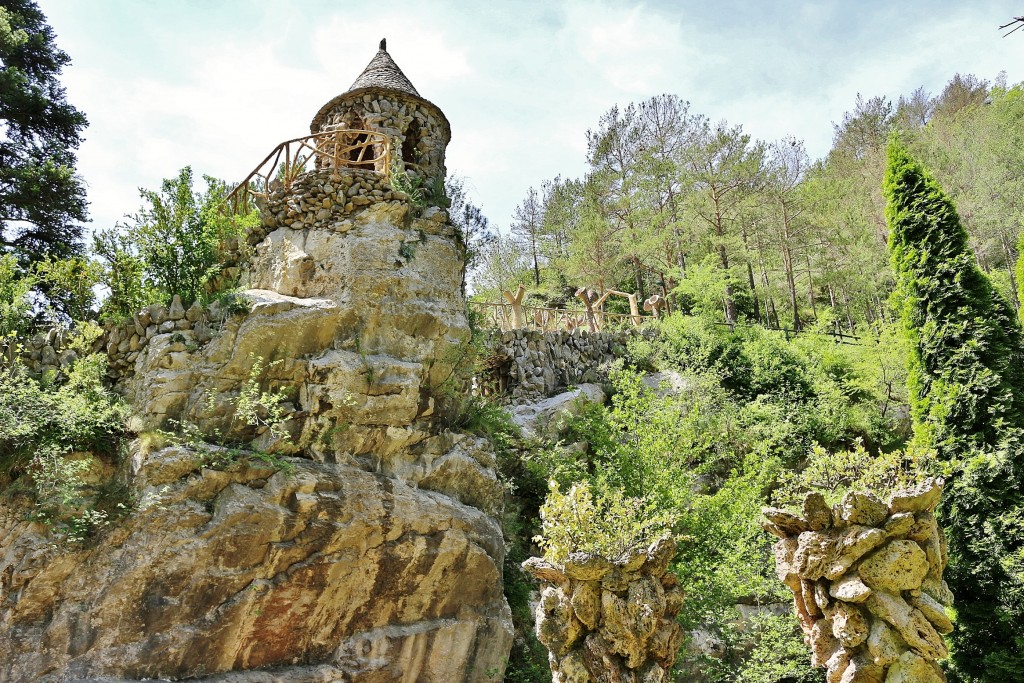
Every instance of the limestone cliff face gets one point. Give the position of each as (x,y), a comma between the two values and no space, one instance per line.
(362,575)
(378,559)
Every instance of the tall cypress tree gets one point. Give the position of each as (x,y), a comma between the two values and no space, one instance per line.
(42,201)
(966,384)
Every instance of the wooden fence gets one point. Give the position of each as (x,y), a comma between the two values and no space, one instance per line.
(336,149)
(503,316)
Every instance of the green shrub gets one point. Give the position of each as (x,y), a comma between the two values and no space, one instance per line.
(69,285)
(50,434)
(605,522)
(123,274)
(836,473)
(39,418)
(15,304)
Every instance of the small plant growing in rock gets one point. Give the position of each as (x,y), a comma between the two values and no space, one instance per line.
(258,408)
(254,407)
(407,251)
(836,473)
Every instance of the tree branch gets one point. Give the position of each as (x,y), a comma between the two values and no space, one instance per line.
(1016,20)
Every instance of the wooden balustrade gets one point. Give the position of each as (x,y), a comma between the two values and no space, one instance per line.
(502,315)
(335,150)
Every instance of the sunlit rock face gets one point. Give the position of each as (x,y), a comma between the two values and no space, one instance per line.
(363,325)
(377,558)
(250,568)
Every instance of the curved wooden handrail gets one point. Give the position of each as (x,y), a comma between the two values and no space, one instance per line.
(503,316)
(343,148)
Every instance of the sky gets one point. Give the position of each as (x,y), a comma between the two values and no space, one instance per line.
(217,84)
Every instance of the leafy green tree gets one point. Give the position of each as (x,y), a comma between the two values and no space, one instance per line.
(469,219)
(181,238)
(504,266)
(123,272)
(176,237)
(15,305)
(723,169)
(966,384)
(527,226)
(70,287)
(42,201)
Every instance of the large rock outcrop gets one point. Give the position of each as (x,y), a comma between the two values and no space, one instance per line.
(327,569)
(378,559)
(866,578)
(371,552)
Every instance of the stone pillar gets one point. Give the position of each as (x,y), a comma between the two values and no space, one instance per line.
(605,621)
(867,583)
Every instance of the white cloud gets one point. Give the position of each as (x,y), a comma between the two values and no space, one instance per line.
(520,81)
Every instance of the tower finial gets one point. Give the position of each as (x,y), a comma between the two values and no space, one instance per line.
(384,44)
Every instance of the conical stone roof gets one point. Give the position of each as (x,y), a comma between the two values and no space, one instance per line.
(382,72)
(380,76)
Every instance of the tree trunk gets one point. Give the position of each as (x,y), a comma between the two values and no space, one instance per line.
(787,264)
(849,313)
(730,303)
(1010,261)
(810,289)
(753,291)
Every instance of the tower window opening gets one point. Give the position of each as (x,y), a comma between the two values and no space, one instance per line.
(361,155)
(411,142)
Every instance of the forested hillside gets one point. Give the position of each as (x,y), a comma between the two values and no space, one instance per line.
(741,235)
(676,203)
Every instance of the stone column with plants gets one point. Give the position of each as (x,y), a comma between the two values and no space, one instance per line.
(608,602)
(866,578)
(604,620)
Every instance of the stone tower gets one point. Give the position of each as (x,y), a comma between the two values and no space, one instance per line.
(378,556)
(383,99)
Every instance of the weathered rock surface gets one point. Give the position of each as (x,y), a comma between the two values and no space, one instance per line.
(597,631)
(251,568)
(544,417)
(867,586)
(361,340)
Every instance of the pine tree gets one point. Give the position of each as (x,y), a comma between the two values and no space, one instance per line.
(966,384)
(42,201)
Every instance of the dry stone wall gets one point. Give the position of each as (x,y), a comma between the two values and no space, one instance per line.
(529,364)
(322,199)
(609,621)
(867,584)
(122,343)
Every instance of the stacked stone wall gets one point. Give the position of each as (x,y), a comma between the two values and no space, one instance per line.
(604,620)
(322,199)
(867,584)
(530,364)
(49,351)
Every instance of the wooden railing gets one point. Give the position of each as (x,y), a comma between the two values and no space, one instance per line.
(503,317)
(336,149)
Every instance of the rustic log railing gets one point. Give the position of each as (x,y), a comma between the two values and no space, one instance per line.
(337,149)
(502,316)
(513,314)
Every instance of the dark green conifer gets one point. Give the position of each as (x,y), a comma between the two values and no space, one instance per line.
(42,200)
(967,396)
